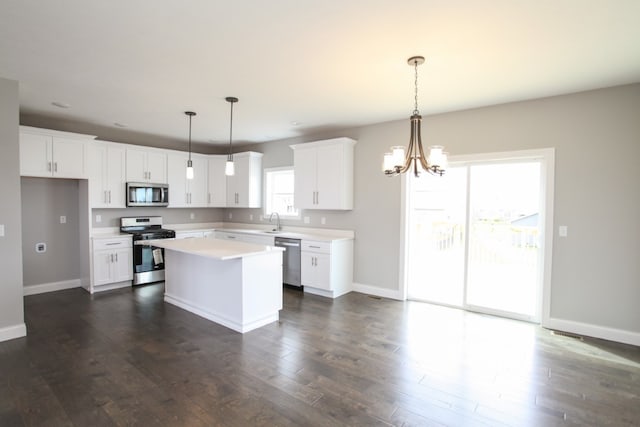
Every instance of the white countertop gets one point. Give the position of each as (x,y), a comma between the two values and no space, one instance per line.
(303,233)
(212,248)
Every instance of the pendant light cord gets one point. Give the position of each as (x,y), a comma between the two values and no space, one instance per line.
(190,116)
(231,131)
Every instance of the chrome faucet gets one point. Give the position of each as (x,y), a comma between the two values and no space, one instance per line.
(278,226)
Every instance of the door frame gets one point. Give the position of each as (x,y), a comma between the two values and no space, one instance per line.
(547,182)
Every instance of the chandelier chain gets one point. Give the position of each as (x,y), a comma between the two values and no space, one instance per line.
(415,108)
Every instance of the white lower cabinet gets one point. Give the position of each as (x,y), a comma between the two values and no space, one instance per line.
(327,267)
(112,262)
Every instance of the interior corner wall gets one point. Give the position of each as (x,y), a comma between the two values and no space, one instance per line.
(11,300)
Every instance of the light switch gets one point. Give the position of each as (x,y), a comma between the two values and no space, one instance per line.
(98,218)
(1,230)
(63,219)
(562,231)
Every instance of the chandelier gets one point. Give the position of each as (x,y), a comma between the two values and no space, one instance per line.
(396,162)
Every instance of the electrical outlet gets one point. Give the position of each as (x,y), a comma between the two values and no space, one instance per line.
(563,231)
(63,219)
(307,220)
(261,218)
(230,215)
(250,217)
(41,248)
(98,218)
(323,220)
(1,230)
(192,215)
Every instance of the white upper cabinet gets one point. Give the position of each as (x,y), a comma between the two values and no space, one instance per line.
(146,165)
(185,192)
(244,189)
(106,164)
(217,182)
(324,174)
(49,153)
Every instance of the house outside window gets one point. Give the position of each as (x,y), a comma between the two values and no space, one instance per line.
(278,192)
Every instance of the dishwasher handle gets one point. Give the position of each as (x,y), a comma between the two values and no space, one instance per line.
(295,245)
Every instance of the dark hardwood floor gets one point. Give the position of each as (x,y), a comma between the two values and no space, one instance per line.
(127,358)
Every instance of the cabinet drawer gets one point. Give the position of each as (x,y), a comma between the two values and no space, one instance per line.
(316,246)
(115,243)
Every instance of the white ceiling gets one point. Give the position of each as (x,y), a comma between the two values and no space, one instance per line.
(326,64)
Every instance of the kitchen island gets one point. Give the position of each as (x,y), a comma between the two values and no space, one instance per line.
(235,284)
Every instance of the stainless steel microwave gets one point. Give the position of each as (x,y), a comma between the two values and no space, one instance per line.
(146,194)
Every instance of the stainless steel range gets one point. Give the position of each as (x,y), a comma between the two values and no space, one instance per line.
(148,261)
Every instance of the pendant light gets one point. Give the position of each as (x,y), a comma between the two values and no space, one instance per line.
(189,162)
(229,169)
(396,162)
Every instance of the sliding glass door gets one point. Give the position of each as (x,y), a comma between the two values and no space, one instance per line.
(474,237)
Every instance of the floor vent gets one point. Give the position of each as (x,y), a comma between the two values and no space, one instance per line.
(567,334)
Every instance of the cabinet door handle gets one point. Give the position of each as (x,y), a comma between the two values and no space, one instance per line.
(109,196)
(116,257)
(112,244)
(55,166)
(317,197)
(48,166)
(208,198)
(315,247)
(111,257)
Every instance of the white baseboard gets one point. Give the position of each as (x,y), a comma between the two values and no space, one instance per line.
(109,287)
(51,287)
(220,319)
(377,291)
(595,331)
(12,332)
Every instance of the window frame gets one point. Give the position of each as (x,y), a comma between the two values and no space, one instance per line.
(266,194)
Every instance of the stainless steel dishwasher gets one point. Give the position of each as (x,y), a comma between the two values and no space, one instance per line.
(290,260)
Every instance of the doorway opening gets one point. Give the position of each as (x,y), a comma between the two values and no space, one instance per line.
(476,237)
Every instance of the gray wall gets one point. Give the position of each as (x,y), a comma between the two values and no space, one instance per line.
(111,217)
(44,200)
(11,301)
(596,134)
